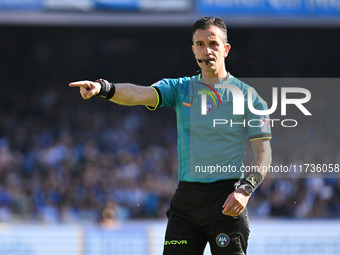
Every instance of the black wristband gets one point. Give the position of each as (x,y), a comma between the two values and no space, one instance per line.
(107,89)
(253,178)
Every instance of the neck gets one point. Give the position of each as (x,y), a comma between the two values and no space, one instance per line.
(213,76)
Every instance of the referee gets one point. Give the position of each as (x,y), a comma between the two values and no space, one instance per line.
(209,204)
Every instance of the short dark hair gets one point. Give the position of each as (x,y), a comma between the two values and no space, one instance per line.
(206,22)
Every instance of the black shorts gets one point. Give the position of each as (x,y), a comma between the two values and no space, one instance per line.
(195,218)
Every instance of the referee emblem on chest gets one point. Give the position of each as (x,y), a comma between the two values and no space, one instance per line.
(222,240)
(210,106)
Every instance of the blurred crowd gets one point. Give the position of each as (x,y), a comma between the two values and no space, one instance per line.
(63,159)
(71,172)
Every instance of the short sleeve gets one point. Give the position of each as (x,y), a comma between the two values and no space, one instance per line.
(166,93)
(258,126)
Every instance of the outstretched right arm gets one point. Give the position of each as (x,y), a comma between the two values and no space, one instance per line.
(125,93)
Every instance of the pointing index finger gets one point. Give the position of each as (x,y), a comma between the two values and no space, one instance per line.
(83,84)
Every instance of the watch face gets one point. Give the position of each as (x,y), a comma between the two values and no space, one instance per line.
(248,189)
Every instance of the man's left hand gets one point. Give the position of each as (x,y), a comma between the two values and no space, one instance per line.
(235,203)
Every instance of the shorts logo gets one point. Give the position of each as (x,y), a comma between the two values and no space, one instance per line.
(175,242)
(222,240)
